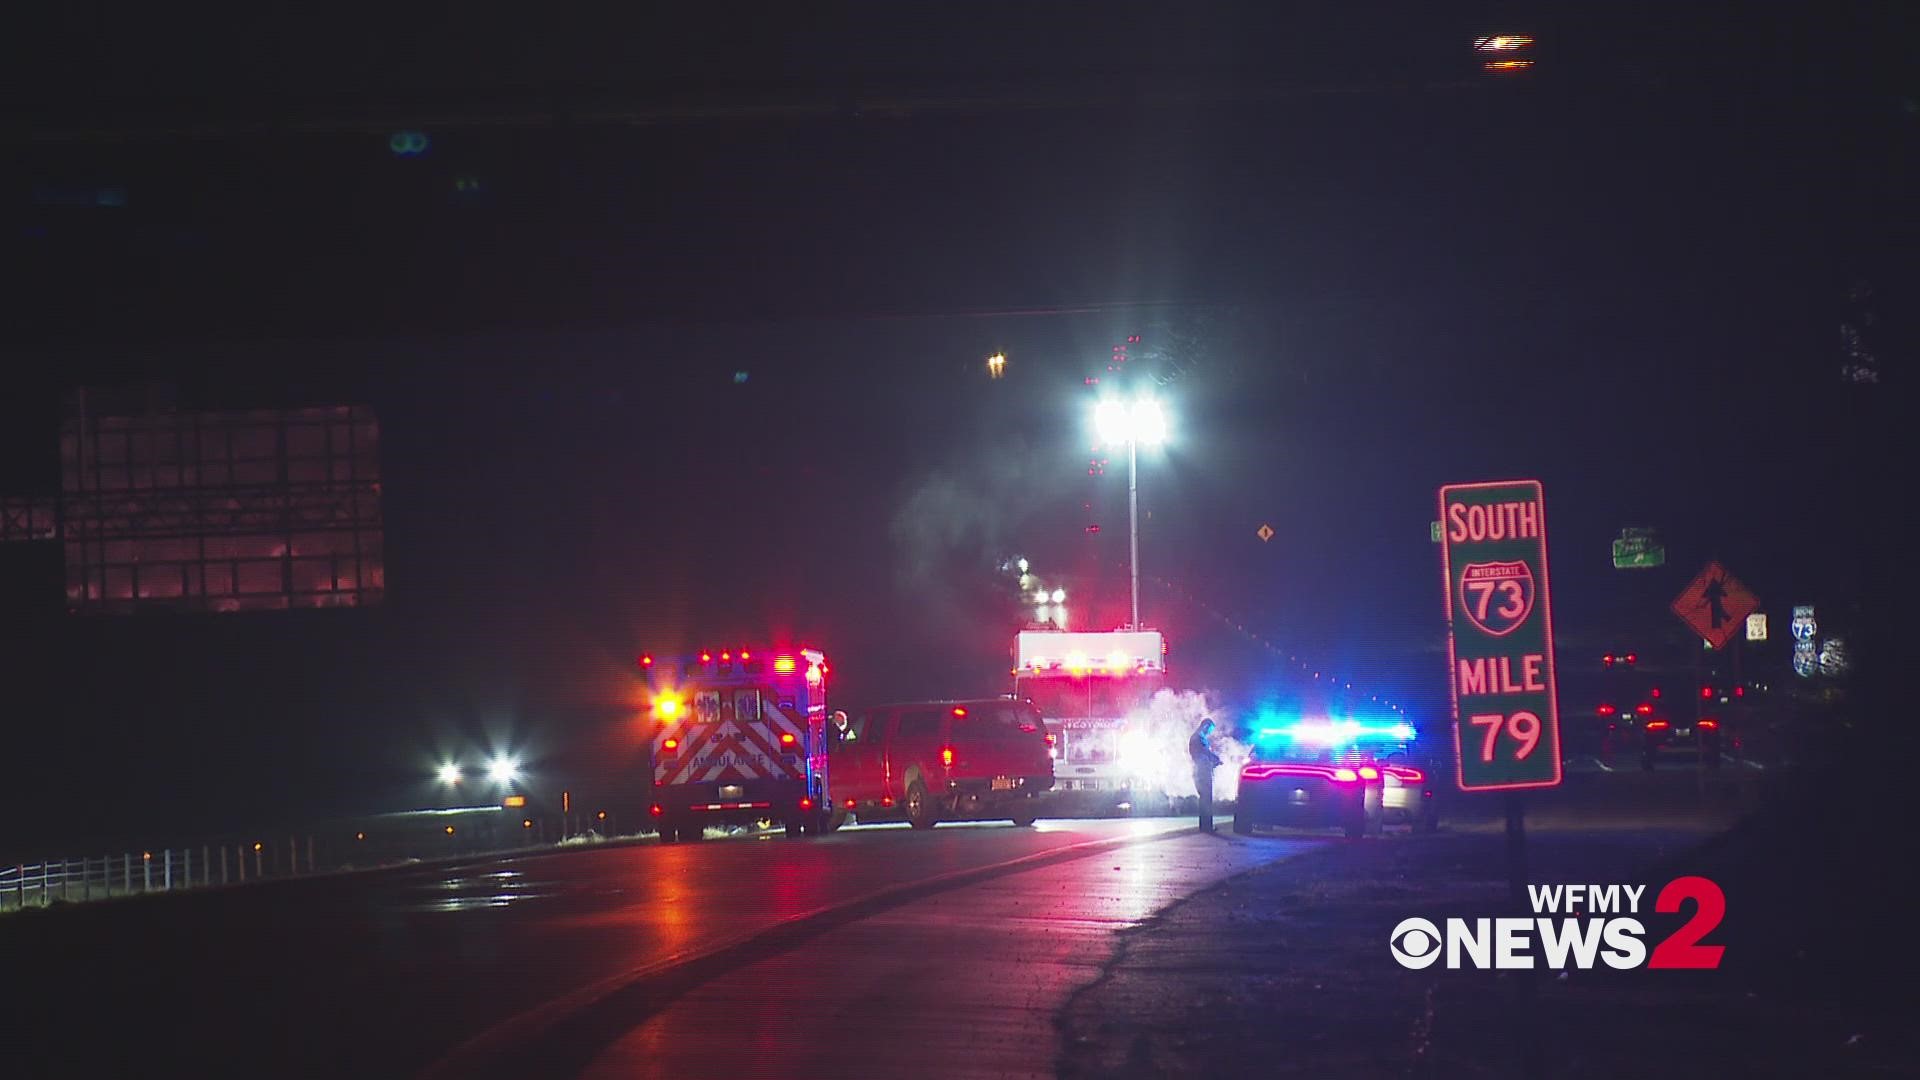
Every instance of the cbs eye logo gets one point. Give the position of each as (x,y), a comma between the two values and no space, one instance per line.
(1415,943)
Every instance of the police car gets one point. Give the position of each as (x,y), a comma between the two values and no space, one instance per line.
(1353,775)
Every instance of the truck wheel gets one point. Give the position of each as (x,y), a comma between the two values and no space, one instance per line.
(920,809)
(668,835)
(1024,813)
(690,831)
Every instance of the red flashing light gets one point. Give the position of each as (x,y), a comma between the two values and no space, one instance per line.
(1632,659)
(1739,691)
(851,804)
(1606,710)
(960,712)
(1656,691)
(1643,709)
(646,659)
(785,665)
(706,657)
(1658,725)
(806,804)
(786,738)
(946,756)
(886,800)
(745,656)
(655,810)
(1709,725)
(726,658)
(1049,738)
(1607,659)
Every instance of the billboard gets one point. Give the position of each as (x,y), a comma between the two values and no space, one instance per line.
(254,510)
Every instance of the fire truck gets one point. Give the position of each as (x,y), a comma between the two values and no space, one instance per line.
(1086,684)
(739,737)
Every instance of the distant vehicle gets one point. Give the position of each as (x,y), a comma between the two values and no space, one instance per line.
(1699,738)
(740,738)
(938,761)
(1347,774)
(1086,684)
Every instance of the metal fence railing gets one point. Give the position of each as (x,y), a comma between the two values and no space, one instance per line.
(73,881)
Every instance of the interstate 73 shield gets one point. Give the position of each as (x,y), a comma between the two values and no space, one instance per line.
(1500,635)
(1497,596)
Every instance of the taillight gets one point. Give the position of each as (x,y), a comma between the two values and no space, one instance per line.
(1706,692)
(1606,710)
(1643,709)
(886,800)
(806,804)
(655,810)
(1345,775)
(670,744)
(850,804)
(1709,725)
(946,756)
(786,738)
(1658,725)
(1368,772)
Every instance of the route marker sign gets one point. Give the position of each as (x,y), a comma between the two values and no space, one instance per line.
(1506,729)
(1715,605)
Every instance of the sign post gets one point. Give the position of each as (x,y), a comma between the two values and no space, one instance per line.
(1506,717)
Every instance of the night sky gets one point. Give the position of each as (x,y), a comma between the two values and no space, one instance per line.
(1358,269)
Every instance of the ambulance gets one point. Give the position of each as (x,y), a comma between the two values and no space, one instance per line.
(739,737)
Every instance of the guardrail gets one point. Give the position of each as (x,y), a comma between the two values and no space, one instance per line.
(73,881)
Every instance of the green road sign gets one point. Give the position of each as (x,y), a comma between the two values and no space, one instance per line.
(1500,635)
(1433,530)
(1637,553)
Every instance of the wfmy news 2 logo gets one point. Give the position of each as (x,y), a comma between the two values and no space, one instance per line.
(1573,926)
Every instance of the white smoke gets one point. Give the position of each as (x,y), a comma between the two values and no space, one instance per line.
(1153,745)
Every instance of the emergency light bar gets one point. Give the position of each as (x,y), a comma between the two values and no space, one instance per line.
(1340,732)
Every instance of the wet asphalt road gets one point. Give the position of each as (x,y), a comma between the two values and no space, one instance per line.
(619,960)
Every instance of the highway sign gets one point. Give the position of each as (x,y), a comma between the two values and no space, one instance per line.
(1757,627)
(1715,605)
(1637,553)
(1264,532)
(1500,635)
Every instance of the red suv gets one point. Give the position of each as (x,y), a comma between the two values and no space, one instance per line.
(942,760)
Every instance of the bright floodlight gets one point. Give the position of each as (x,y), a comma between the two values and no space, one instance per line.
(503,770)
(1059,596)
(1117,422)
(449,773)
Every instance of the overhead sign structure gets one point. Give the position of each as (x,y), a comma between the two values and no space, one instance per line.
(1500,635)
(1715,605)
(1757,626)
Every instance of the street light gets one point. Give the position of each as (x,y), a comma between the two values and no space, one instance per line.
(503,770)
(1118,422)
(449,773)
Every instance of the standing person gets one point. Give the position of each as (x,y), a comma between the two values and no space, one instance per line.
(1204,762)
